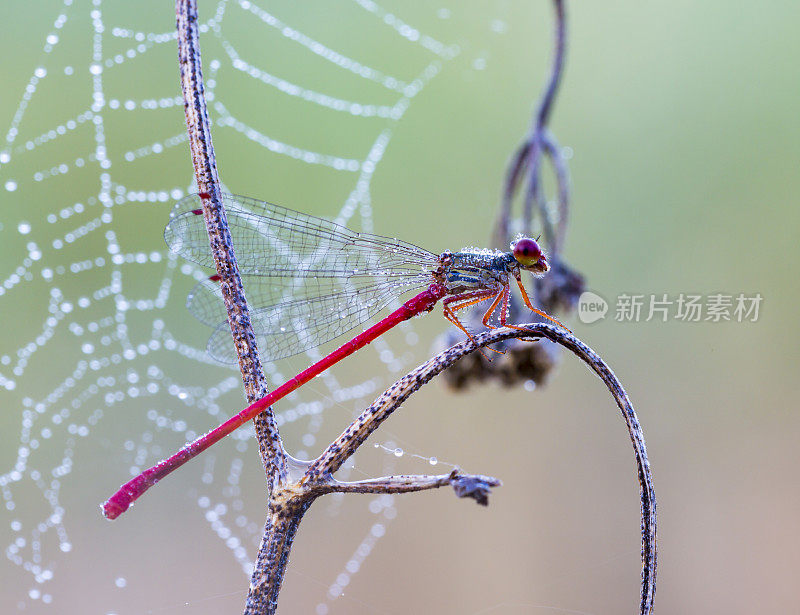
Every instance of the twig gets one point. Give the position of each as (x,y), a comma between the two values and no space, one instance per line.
(464,485)
(273,456)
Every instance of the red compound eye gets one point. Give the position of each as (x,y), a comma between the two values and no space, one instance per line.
(527,252)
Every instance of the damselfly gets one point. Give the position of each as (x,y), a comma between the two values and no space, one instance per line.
(309,280)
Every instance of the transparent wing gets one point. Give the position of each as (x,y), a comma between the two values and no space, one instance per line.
(307,280)
(287,328)
(278,242)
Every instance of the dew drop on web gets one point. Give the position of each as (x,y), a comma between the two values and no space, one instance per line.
(106,358)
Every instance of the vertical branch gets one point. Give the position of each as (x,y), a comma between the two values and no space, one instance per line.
(273,556)
(199,128)
(273,456)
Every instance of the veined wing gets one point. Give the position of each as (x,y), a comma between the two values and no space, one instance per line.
(287,328)
(307,280)
(278,242)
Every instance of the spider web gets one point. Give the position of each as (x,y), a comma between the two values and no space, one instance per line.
(98,360)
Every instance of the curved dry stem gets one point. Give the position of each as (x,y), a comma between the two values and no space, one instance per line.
(369,420)
(647,495)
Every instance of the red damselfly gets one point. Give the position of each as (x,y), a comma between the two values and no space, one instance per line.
(309,280)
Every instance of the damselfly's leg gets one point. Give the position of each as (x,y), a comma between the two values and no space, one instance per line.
(502,296)
(528,303)
(504,307)
(450,305)
(492,308)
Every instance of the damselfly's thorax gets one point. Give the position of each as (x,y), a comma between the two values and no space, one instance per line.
(478,269)
(473,269)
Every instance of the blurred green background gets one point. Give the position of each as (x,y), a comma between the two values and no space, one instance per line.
(682,120)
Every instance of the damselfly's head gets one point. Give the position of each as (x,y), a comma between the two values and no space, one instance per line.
(529,255)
